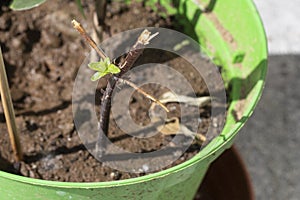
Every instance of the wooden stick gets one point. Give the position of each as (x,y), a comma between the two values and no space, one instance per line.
(9,113)
(134,86)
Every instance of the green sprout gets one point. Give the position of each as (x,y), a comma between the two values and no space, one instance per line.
(102,68)
(28,4)
(23,5)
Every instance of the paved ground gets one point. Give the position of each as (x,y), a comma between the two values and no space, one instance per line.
(281,20)
(269,143)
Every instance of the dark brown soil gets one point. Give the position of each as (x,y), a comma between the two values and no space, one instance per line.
(42,53)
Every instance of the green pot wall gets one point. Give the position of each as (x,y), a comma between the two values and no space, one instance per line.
(234,36)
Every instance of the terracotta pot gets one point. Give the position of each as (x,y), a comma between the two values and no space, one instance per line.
(226,179)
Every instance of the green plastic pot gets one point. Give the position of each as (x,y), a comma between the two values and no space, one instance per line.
(234,36)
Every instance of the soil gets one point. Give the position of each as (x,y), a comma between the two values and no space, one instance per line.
(42,54)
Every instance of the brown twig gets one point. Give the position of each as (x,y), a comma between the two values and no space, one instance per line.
(89,40)
(143,93)
(136,50)
(9,113)
(134,53)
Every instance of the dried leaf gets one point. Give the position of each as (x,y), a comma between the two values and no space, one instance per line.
(173,127)
(169,97)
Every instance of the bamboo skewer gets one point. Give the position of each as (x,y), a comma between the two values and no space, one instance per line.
(9,112)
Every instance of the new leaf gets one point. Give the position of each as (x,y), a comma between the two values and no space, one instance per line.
(25,4)
(102,68)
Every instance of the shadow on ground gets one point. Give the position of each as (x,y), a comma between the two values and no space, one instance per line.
(269,143)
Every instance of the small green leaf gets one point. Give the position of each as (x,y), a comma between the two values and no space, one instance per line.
(106,61)
(98,66)
(97,76)
(25,4)
(113,69)
(103,68)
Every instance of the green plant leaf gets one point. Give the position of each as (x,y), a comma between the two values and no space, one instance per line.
(98,66)
(97,76)
(25,4)
(103,68)
(113,69)
(106,61)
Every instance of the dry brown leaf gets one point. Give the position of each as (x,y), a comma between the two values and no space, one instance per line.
(173,127)
(169,97)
